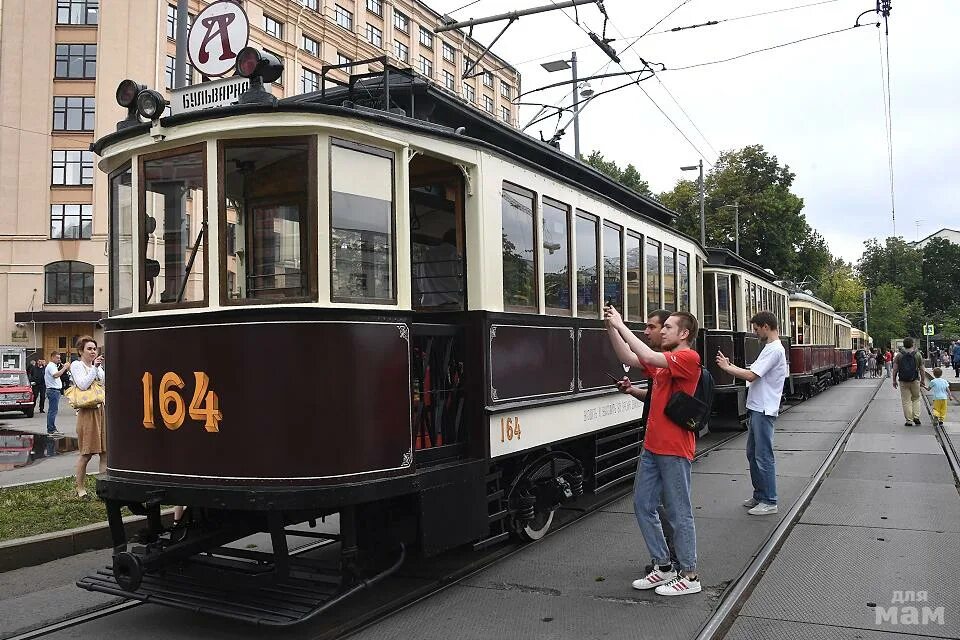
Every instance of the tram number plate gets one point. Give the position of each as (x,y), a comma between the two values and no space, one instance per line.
(509,429)
(205,406)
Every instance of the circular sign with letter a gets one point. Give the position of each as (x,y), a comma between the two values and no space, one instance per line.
(217,35)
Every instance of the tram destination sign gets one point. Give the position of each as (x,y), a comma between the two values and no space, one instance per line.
(206,95)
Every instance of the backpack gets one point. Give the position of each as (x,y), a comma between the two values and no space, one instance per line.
(907,368)
(693,412)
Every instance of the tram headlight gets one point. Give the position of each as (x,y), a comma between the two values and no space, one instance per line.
(259,66)
(151,104)
(127,92)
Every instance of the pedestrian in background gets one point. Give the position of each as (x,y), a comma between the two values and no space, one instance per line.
(765,379)
(907,368)
(668,449)
(91,428)
(36,383)
(861,362)
(872,364)
(888,362)
(956,359)
(51,379)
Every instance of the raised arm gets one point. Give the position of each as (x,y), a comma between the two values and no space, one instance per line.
(630,349)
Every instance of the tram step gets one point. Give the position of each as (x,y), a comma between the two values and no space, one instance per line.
(620,466)
(492,540)
(616,452)
(616,436)
(613,483)
(496,495)
(496,517)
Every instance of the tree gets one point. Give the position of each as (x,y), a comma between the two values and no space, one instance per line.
(840,287)
(895,262)
(629,177)
(887,314)
(940,275)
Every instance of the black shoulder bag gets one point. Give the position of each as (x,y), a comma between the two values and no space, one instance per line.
(692,412)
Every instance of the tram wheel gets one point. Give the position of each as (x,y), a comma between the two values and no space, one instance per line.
(535,529)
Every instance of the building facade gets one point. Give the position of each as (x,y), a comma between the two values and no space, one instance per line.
(60,63)
(950,235)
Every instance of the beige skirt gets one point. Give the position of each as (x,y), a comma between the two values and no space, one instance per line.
(92,431)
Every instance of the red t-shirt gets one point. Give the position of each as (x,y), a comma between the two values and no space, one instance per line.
(888,357)
(664,436)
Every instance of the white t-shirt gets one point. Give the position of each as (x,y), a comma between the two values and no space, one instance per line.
(763,394)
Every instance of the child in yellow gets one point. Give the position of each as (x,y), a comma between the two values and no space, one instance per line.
(940,389)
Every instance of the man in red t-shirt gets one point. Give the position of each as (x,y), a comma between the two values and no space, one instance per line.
(667,450)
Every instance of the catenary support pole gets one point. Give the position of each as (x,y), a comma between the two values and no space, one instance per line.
(180,65)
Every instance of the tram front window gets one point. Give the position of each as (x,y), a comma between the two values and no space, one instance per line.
(265,187)
(173,189)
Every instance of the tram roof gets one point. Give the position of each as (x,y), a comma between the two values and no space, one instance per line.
(421,106)
(717,257)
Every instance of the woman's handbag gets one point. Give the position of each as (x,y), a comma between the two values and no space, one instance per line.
(89,398)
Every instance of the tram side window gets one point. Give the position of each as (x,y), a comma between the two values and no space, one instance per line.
(669,278)
(710,301)
(121,241)
(588,280)
(699,278)
(519,255)
(613,265)
(634,278)
(683,269)
(723,302)
(362,230)
(556,257)
(654,288)
(172,191)
(264,214)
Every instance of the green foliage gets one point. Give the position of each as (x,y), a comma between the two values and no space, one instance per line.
(895,261)
(941,275)
(629,177)
(887,314)
(840,287)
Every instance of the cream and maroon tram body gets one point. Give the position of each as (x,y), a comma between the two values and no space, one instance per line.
(843,361)
(734,290)
(812,348)
(322,308)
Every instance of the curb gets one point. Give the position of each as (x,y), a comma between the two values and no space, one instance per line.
(46,547)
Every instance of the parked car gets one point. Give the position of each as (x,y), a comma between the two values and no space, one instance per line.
(15,392)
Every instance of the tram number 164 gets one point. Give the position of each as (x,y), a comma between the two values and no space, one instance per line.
(509,429)
(204,407)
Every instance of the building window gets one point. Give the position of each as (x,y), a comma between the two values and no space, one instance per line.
(375,6)
(343,17)
(363,230)
(468,93)
(172,21)
(72,168)
(505,114)
(449,53)
(309,80)
(487,79)
(401,21)
(77,11)
(488,104)
(449,80)
(312,4)
(342,59)
(73,113)
(273,27)
(168,71)
(311,46)
(374,36)
(76,61)
(426,67)
(426,38)
(519,248)
(71,221)
(505,89)
(401,51)
(68,282)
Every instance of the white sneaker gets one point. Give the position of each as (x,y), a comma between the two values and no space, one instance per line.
(655,578)
(750,503)
(680,586)
(763,509)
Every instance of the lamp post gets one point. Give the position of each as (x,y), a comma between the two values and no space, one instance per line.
(560,65)
(736,224)
(703,225)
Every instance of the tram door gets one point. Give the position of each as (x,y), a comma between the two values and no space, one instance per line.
(438,286)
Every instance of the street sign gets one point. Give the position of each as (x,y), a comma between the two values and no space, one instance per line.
(928,329)
(217,36)
(206,95)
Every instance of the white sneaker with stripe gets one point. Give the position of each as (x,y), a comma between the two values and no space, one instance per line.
(654,579)
(680,586)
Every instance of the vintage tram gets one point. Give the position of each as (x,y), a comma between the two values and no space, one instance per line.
(373,302)
(844,363)
(812,346)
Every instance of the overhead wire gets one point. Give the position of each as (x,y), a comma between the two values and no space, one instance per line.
(712,23)
(887,120)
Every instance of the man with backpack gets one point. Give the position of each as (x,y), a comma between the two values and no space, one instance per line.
(906,373)
(668,449)
(765,387)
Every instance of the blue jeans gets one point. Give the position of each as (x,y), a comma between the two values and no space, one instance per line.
(666,477)
(53,404)
(763,471)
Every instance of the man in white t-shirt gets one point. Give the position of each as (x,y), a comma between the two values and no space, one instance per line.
(764,387)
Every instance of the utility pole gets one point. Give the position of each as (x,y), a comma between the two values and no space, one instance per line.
(736,226)
(865,312)
(576,107)
(703,220)
(180,64)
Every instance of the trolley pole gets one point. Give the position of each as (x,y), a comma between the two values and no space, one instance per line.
(576,107)
(180,64)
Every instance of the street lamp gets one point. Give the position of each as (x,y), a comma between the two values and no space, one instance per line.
(736,223)
(586,92)
(703,226)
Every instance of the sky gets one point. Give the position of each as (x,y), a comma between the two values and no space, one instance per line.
(817,106)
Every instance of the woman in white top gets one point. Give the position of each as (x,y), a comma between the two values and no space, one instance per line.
(91,427)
